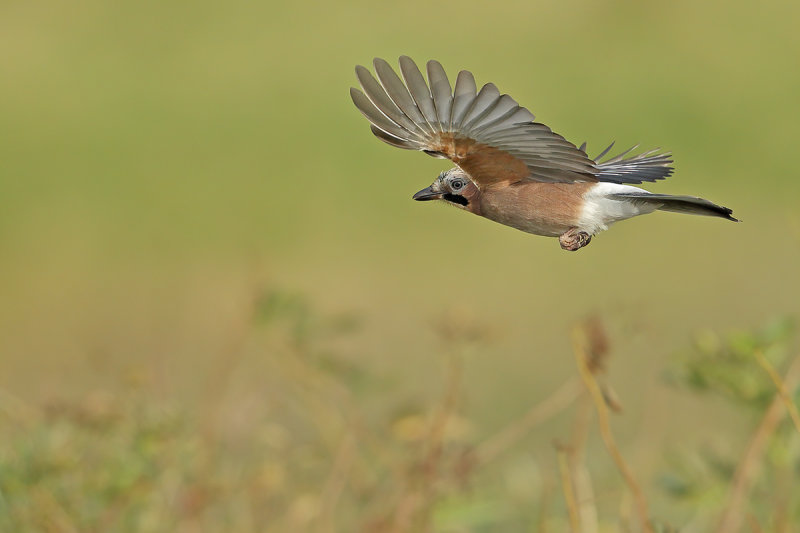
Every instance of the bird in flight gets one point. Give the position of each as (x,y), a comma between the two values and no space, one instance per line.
(509,168)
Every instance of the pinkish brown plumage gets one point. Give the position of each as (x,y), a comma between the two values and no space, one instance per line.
(509,168)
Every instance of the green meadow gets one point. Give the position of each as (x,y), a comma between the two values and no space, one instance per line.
(220,310)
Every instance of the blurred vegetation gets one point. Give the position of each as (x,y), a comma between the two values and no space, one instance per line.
(317,458)
(745,367)
(221,310)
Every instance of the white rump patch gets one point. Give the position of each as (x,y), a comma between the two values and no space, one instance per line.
(600,210)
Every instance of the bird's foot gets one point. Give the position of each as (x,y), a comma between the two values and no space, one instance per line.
(573,239)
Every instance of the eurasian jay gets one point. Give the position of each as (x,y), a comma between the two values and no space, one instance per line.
(509,168)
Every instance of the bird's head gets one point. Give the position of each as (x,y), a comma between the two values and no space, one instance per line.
(454,187)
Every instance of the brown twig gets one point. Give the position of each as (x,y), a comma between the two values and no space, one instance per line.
(569,492)
(53,516)
(781,386)
(337,480)
(754,525)
(580,426)
(584,495)
(731,519)
(559,400)
(226,362)
(605,428)
(441,418)
(418,495)
(582,482)
(544,505)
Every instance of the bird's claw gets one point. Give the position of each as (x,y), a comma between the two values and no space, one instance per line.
(573,239)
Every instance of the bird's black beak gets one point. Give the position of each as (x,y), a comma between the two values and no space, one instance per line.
(427,194)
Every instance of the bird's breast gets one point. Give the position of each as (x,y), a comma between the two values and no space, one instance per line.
(547,209)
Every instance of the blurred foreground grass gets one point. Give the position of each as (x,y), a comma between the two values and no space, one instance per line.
(315,448)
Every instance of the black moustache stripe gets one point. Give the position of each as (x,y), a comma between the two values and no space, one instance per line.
(455,198)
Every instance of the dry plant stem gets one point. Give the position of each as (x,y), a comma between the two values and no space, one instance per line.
(559,400)
(440,420)
(337,480)
(544,506)
(781,519)
(584,495)
(782,389)
(17,410)
(54,515)
(569,493)
(582,482)
(417,499)
(732,517)
(227,361)
(605,430)
(754,526)
(580,426)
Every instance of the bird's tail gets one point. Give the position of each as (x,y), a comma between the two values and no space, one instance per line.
(679,204)
(648,166)
(652,166)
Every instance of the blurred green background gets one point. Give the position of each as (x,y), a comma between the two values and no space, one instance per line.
(165,165)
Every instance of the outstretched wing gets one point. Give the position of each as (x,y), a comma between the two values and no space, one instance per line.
(487,134)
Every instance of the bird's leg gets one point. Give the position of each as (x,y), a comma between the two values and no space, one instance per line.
(573,240)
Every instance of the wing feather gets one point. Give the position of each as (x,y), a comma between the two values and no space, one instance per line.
(384,103)
(399,94)
(520,115)
(379,120)
(441,92)
(623,154)
(419,91)
(464,95)
(391,139)
(504,109)
(488,97)
(604,152)
(489,135)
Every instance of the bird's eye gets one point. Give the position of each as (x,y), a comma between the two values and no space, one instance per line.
(456,184)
